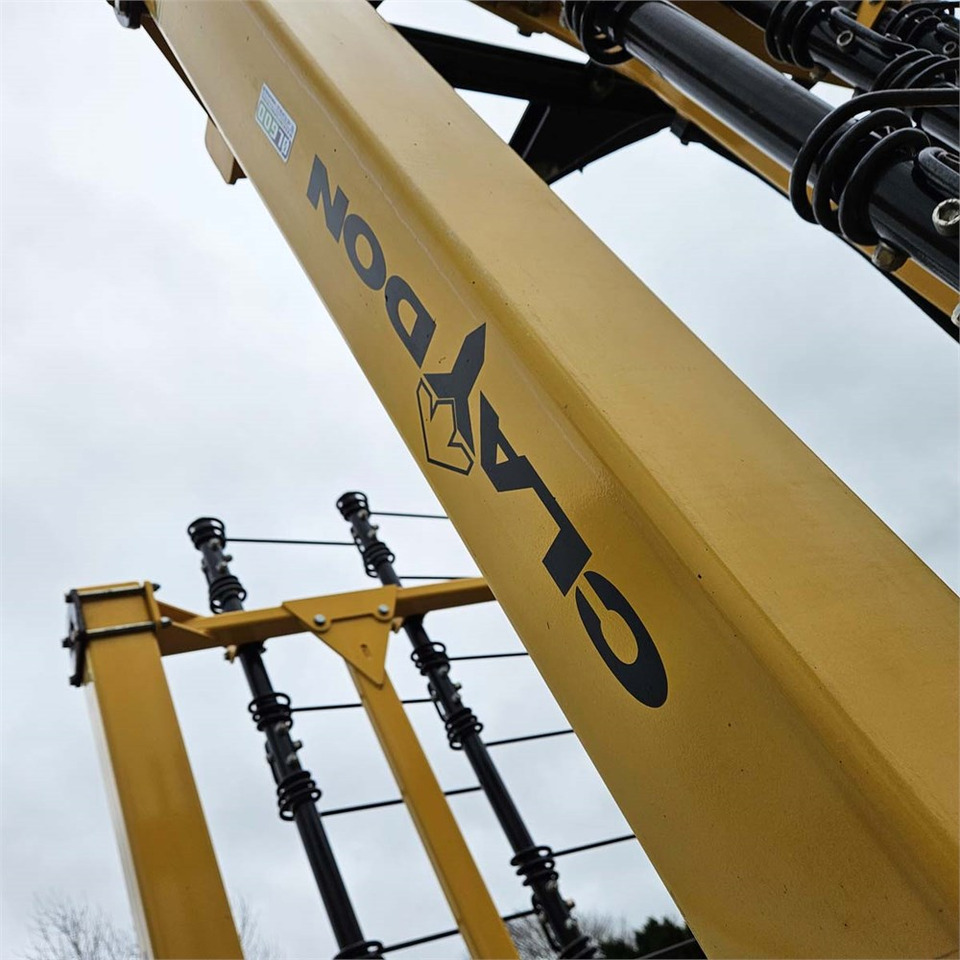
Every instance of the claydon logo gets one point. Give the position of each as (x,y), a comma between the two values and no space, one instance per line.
(454,441)
(444,402)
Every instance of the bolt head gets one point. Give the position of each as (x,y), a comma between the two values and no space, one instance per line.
(955,316)
(844,39)
(383,609)
(320,620)
(946,217)
(886,259)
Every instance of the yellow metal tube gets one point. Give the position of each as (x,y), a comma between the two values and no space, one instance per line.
(179,903)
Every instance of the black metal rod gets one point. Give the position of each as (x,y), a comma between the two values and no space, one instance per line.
(595,845)
(296,791)
(529,736)
(534,863)
(774,114)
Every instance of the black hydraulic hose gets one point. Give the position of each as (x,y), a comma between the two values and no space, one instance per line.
(535,864)
(296,791)
(896,201)
(810,32)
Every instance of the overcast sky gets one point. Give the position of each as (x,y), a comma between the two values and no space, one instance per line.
(164,358)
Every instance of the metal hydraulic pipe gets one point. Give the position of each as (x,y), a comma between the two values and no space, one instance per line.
(296,791)
(772,112)
(831,37)
(534,863)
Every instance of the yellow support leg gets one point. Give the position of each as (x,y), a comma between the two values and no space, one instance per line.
(470,901)
(178,899)
(361,639)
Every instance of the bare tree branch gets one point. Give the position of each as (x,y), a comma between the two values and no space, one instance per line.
(64,929)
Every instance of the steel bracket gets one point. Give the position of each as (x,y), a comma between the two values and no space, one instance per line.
(79,635)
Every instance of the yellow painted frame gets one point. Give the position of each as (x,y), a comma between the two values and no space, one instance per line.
(168,856)
(796,787)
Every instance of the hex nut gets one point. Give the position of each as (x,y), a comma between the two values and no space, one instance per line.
(946,217)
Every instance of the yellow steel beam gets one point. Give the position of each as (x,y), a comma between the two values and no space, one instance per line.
(868,11)
(362,641)
(764,674)
(473,909)
(544,17)
(173,880)
(183,631)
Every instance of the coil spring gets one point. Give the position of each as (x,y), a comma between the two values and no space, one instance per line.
(583,18)
(352,503)
(271,710)
(362,948)
(788,28)
(791,21)
(911,20)
(224,588)
(459,724)
(841,157)
(293,791)
(848,161)
(374,554)
(914,69)
(430,656)
(535,865)
(205,529)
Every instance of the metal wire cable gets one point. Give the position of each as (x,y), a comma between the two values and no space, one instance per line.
(350,543)
(416,516)
(403,944)
(376,804)
(489,656)
(529,736)
(424,576)
(594,845)
(350,706)
(416,941)
(308,543)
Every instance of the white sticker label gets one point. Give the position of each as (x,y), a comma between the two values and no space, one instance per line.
(276,123)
